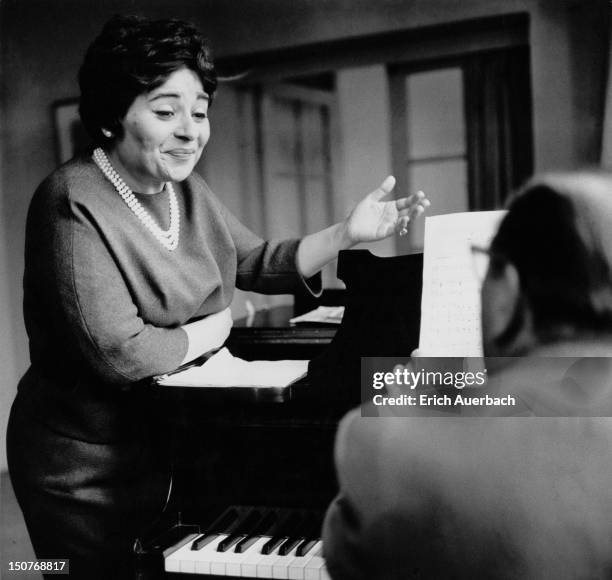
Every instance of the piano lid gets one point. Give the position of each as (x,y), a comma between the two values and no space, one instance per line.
(382,318)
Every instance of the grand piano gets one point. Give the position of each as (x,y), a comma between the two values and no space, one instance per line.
(258,471)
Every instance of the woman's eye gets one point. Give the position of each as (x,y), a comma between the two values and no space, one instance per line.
(200,115)
(164,114)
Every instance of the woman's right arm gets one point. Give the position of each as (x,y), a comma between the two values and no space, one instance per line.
(79,295)
(207,334)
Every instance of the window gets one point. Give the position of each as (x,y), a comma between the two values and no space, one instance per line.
(296,159)
(306,131)
(461,130)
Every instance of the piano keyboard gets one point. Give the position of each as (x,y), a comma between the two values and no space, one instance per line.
(254,542)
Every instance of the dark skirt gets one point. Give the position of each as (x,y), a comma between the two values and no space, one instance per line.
(85,501)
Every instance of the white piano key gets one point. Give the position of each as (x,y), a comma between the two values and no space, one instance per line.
(248,568)
(324,574)
(187,540)
(312,571)
(264,564)
(298,565)
(192,561)
(172,563)
(280,568)
(216,560)
(187,567)
(238,564)
(198,561)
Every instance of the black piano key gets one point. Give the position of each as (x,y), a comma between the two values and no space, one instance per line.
(305,547)
(203,540)
(312,536)
(262,528)
(244,530)
(285,531)
(306,529)
(220,525)
(272,543)
(288,545)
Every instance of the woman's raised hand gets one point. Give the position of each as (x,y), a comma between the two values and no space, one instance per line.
(374,219)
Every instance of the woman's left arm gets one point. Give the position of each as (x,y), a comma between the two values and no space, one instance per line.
(372,219)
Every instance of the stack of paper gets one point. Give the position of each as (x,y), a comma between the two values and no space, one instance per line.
(321,315)
(225,370)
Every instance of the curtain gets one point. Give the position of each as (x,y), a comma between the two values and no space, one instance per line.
(499,125)
(606,143)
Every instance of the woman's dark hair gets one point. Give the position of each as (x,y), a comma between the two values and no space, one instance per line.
(557,235)
(131,56)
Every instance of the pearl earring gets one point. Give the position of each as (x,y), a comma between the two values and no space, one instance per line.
(108,134)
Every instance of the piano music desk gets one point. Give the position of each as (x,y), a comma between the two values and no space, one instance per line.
(269,336)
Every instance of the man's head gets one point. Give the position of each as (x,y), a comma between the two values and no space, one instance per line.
(550,272)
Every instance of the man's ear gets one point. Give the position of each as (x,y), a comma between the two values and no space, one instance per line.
(508,294)
(505,312)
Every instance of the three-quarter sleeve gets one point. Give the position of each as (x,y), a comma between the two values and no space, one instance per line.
(268,267)
(88,296)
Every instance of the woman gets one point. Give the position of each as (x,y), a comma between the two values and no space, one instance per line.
(131,264)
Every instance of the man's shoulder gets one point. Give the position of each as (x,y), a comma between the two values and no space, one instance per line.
(373,434)
(374,451)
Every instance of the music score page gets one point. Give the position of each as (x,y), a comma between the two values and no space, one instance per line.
(225,370)
(450,304)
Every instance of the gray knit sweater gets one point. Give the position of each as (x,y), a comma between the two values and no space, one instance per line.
(104,300)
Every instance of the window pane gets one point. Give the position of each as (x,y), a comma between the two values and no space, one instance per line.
(313,139)
(316,169)
(282,137)
(281,183)
(283,192)
(436,123)
(445,183)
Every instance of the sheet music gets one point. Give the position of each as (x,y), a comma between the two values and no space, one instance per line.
(321,315)
(225,370)
(450,305)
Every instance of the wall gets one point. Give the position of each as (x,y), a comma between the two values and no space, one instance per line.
(366,139)
(43,41)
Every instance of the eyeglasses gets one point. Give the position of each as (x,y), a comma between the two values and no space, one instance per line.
(481,261)
(481,257)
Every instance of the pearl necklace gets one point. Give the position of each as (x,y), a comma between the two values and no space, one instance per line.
(168,238)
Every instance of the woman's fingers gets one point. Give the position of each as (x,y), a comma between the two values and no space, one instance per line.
(417,198)
(385,188)
(409,208)
(412,212)
(416,211)
(401,227)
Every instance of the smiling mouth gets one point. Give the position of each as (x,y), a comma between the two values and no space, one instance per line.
(181,153)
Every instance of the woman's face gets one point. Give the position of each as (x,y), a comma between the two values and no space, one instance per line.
(164,133)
